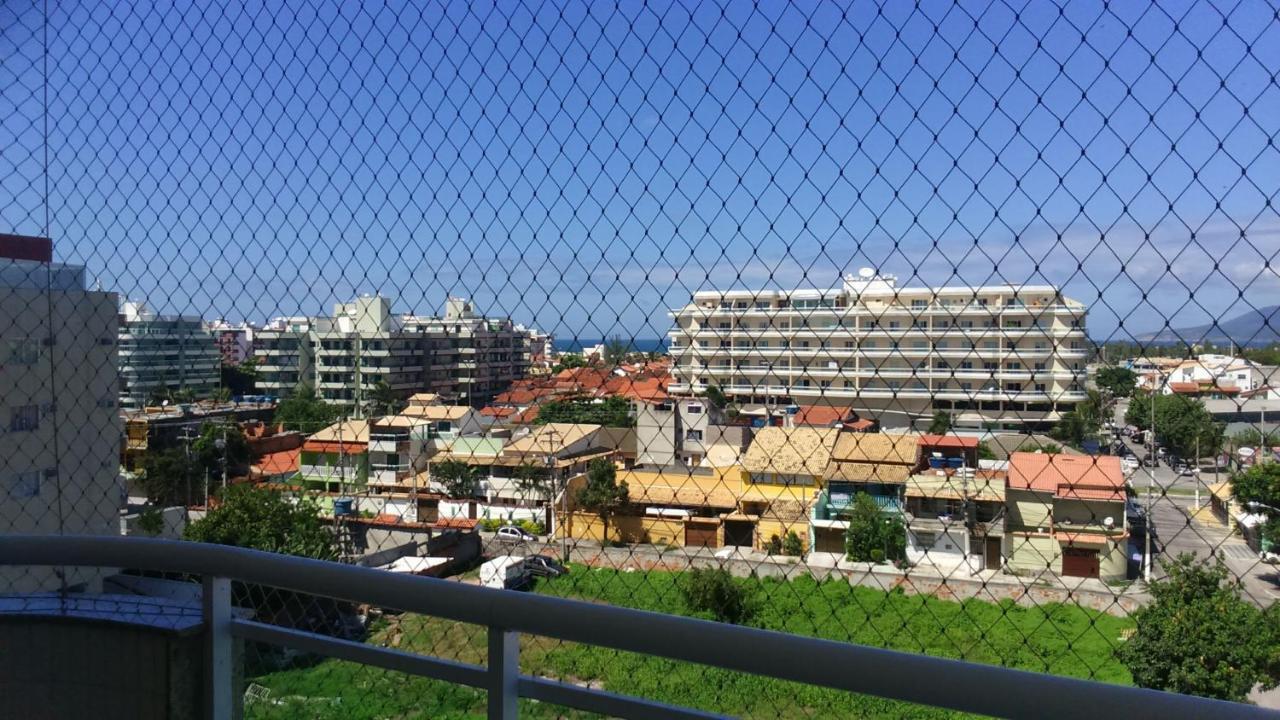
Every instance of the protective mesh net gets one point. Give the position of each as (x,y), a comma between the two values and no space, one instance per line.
(864,305)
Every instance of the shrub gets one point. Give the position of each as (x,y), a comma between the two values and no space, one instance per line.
(774,546)
(873,535)
(792,545)
(713,591)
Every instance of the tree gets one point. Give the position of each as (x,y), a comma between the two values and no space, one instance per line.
(1199,637)
(382,400)
(533,481)
(874,536)
(240,379)
(1082,421)
(941,423)
(259,518)
(1259,484)
(170,477)
(1181,423)
(1115,380)
(305,412)
(459,479)
(219,441)
(714,592)
(791,544)
(615,350)
(614,411)
(568,361)
(716,397)
(984,451)
(255,517)
(1252,437)
(603,494)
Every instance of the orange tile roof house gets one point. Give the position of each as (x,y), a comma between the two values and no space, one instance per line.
(1066,516)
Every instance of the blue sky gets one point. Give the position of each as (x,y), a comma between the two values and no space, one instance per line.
(583,167)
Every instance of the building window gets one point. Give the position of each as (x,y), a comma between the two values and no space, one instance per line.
(25,485)
(24,418)
(693,435)
(693,408)
(24,351)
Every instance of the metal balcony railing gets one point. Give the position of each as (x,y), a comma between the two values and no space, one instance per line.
(942,683)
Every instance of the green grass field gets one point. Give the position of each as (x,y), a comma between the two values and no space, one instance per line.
(1061,639)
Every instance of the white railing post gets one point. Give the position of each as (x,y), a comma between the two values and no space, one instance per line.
(504,672)
(219,672)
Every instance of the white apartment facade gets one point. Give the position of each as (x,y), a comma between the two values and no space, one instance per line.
(164,353)
(995,356)
(59,427)
(463,357)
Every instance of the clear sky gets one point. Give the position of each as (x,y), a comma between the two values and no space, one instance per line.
(584,166)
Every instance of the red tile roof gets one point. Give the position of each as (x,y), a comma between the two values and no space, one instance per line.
(497,412)
(1067,475)
(448,523)
(279,463)
(820,415)
(525,417)
(948,441)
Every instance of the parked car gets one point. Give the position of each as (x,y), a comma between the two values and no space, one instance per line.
(1150,461)
(1129,462)
(511,533)
(544,566)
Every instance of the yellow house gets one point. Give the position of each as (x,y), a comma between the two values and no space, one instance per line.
(782,474)
(667,506)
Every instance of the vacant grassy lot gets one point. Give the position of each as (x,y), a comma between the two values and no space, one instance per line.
(1060,639)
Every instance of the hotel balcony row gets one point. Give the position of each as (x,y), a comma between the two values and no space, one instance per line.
(681,350)
(930,309)
(921,393)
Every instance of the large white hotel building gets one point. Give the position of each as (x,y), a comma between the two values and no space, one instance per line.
(996,357)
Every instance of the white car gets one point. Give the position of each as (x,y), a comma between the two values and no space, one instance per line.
(511,533)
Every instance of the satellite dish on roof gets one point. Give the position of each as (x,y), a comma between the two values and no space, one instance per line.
(866,273)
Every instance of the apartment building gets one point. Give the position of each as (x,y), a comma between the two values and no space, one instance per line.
(996,356)
(59,430)
(472,358)
(234,341)
(462,357)
(161,354)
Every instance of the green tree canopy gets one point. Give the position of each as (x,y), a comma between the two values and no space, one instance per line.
(208,455)
(533,481)
(616,350)
(613,411)
(240,379)
(459,479)
(874,536)
(1117,381)
(603,494)
(941,423)
(1200,637)
(1180,422)
(383,400)
(262,519)
(305,412)
(1259,484)
(568,361)
(169,477)
(1083,421)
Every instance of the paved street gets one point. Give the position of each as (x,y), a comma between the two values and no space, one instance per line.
(1180,528)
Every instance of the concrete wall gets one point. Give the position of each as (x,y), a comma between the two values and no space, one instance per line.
(74,449)
(628,529)
(656,443)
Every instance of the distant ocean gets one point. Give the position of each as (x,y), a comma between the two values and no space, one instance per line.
(640,344)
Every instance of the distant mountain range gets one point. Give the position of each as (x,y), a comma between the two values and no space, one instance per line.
(1256,327)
